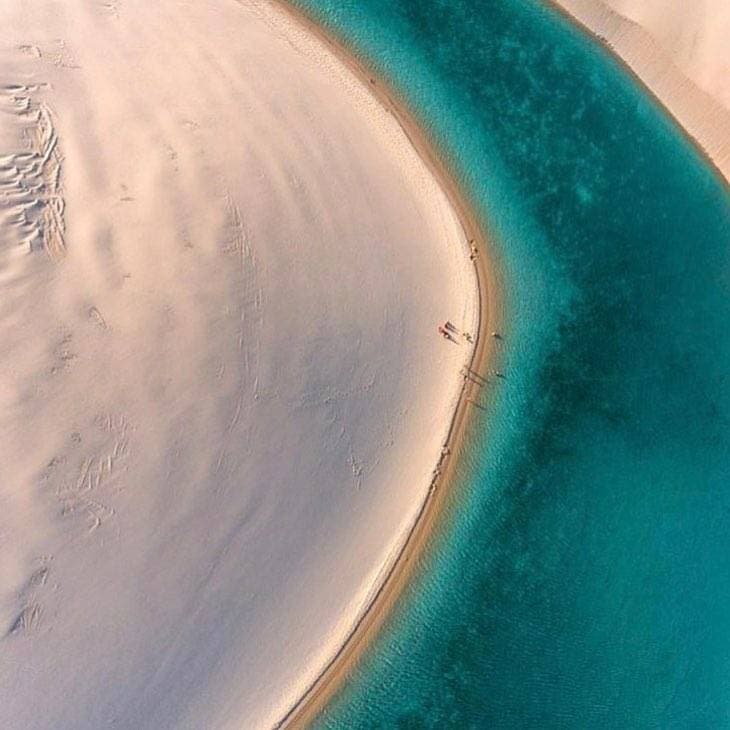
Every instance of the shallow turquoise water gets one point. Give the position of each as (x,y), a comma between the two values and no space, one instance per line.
(583,578)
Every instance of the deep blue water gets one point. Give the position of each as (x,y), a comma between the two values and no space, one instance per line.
(582,579)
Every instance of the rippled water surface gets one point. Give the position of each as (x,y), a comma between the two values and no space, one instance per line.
(583,577)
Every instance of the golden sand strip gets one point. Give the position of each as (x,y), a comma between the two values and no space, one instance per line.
(472,395)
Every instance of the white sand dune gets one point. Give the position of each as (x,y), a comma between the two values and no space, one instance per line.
(223,393)
(681,50)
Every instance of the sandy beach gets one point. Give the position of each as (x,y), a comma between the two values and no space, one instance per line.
(473,396)
(229,424)
(225,257)
(679,51)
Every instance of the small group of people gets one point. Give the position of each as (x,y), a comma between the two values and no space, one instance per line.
(449,331)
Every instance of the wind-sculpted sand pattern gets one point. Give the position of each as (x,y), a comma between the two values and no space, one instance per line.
(80,491)
(223,266)
(31,206)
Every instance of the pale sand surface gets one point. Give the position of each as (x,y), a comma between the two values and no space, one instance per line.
(223,394)
(681,51)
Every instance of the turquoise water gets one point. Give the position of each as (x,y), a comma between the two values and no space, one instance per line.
(583,578)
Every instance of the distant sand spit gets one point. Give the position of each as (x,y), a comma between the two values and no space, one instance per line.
(680,51)
(223,266)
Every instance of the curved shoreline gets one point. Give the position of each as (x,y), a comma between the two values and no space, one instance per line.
(332,676)
(490,315)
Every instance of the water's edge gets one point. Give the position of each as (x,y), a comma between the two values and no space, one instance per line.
(580,577)
(473,399)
